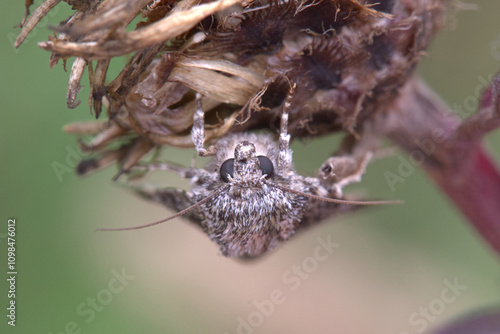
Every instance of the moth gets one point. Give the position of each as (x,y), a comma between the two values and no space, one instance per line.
(248,198)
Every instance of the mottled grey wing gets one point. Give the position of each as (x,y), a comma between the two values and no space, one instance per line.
(172,198)
(315,211)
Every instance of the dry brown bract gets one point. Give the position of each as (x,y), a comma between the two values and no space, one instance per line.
(352,63)
(348,59)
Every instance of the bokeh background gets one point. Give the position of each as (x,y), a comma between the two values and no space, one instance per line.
(392,262)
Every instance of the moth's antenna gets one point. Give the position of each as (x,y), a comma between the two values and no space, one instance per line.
(180,213)
(332,200)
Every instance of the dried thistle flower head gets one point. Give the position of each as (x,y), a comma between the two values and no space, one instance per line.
(348,59)
(351,61)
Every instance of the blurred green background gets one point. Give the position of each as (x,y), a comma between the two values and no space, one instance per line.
(392,261)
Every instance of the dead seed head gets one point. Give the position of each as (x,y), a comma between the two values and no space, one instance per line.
(347,58)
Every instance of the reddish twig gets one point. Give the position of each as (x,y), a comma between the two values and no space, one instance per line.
(451,151)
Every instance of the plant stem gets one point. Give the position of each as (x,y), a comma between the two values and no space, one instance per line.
(452,151)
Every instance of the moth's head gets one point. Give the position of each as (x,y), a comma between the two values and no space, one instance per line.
(246,166)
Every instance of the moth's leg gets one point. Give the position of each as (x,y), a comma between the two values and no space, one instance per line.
(349,164)
(172,198)
(198,130)
(184,172)
(284,157)
(196,175)
(344,170)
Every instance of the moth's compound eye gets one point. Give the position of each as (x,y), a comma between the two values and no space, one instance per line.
(226,168)
(266,166)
